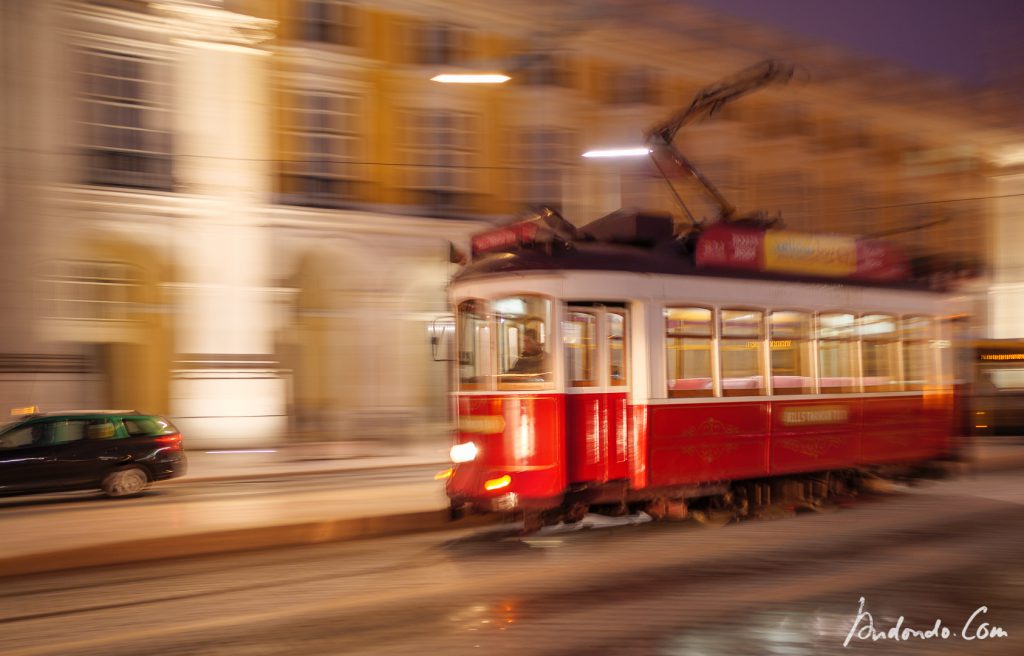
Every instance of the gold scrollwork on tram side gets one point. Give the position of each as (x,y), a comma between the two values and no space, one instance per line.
(813,447)
(711,427)
(709,453)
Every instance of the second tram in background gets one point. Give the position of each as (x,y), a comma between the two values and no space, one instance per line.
(995,371)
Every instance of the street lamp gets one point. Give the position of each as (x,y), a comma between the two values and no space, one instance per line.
(471,78)
(637,151)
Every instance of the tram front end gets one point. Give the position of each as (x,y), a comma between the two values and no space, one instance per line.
(508,455)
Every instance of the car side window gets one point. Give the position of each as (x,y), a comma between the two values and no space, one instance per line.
(148,426)
(19,437)
(100,429)
(139,426)
(62,432)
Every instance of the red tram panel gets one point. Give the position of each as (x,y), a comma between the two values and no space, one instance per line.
(521,437)
(699,443)
(815,435)
(598,437)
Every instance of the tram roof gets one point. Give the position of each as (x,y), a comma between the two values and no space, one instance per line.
(660,259)
(637,243)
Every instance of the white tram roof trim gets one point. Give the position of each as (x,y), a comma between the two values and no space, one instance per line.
(617,286)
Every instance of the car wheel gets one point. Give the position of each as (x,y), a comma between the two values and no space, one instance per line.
(125,482)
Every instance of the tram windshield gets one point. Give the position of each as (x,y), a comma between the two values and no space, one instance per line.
(524,340)
(505,343)
(474,336)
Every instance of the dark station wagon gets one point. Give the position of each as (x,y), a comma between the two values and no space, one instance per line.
(118,451)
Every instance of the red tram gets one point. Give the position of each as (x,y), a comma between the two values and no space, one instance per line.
(622,365)
(662,379)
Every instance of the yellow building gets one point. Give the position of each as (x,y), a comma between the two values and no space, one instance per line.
(239,212)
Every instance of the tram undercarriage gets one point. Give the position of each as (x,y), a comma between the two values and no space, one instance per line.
(725,502)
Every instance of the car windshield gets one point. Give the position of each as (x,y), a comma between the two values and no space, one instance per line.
(8,426)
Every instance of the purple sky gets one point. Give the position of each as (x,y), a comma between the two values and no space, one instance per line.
(964,39)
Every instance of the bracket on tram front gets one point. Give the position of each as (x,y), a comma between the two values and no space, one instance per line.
(442,335)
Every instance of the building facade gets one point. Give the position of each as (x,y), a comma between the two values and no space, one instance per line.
(240,213)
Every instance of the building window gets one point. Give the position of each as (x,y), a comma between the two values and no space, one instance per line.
(125,118)
(540,158)
(322,149)
(439,44)
(439,150)
(633,86)
(327,21)
(791,195)
(842,134)
(778,122)
(545,69)
(90,290)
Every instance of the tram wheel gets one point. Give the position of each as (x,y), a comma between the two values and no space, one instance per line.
(576,513)
(532,522)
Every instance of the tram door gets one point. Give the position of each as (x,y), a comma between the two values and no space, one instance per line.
(595,343)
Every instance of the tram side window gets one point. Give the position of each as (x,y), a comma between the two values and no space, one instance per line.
(879,353)
(790,335)
(524,342)
(617,348)
(837,353)
(688,351)
(474,339)
(917,333)
(741,350)
(579,333)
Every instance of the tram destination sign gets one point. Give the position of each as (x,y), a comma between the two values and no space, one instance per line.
(517,234)
(815,415)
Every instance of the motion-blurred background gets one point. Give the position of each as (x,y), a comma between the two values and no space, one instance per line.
(242,214)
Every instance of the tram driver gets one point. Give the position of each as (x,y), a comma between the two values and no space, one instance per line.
(533,359)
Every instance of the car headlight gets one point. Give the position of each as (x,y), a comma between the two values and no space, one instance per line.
(463,452)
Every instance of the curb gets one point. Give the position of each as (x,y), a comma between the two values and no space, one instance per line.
(237,540)
(293,473)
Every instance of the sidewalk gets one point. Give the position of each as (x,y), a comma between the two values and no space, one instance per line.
(303,459)
(996,454)
(116,533)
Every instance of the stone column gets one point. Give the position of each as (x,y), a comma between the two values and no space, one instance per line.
(227,390)
(33,102)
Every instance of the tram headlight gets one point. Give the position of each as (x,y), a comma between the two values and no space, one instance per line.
(463,452)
